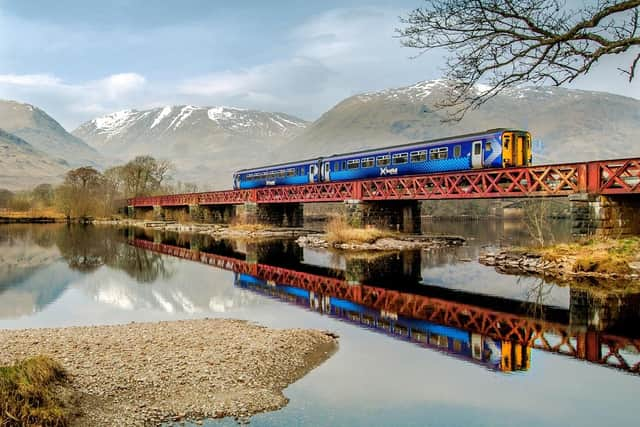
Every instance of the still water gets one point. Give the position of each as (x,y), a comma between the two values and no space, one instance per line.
(426,338)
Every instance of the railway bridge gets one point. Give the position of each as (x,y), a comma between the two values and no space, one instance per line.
(604,197)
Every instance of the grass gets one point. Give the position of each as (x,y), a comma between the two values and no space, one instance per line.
(248,227)
(29,393)
(609,256)
(32,213)
(339,231)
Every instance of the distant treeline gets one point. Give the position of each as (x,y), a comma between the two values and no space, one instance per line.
(87,192)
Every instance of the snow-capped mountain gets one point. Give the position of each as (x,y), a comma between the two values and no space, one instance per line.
(567,125)
(205,143)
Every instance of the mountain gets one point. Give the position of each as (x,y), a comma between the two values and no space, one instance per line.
(206,143)
(23,167)
(45,134)
(567,125)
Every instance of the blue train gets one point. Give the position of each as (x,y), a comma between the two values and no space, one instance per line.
(495,148)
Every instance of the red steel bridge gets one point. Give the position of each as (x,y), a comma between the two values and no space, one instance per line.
(595,347)
(606,177)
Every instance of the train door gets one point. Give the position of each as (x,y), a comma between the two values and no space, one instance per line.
(236,181)
(313,173)
(326,171)
(476,154)
(518,150)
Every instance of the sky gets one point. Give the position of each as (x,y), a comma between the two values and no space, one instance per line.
(80,59)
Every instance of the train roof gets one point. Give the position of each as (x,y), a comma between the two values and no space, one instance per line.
(380,149)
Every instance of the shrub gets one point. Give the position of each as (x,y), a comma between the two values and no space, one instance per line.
(29,393)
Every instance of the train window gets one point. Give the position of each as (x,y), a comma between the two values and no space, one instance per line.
(368,162)
(438,153)
(353,164)
(336,166)
(476,149)
(383,160)
(281,173)
(457,151)
(291,172)
(344,164)
(487,146)
(400,158)
(302,170)
(418,156)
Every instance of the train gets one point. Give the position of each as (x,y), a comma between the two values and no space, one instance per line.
(494,148)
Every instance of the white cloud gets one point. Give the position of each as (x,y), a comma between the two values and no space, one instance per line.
(68,102)
(118,85)
(37,80)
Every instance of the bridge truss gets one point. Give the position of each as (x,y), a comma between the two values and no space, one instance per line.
(609,177)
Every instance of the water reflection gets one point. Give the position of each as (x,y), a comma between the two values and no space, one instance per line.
(493,331)
(424,298)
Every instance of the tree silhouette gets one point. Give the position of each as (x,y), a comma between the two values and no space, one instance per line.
(506,43)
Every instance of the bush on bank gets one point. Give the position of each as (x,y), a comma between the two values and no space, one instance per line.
(29,394)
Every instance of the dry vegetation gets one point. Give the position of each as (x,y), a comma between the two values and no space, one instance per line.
(339,231)
(248,227)
(598,256)
(49,213)
(30,393)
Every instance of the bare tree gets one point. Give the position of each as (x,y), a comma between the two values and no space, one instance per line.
(144,175)
(80,195)
(506,43)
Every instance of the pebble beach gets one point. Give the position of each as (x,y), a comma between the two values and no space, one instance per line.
(150,373)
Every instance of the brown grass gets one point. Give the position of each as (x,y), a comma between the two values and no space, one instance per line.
(32,213)
(248,227)
(598,256)
(29,394)
(338,231)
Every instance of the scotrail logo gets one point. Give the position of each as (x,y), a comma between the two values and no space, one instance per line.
(388,171)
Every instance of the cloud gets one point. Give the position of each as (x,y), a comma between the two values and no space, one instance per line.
(331,57)
(32,80)
(67,101)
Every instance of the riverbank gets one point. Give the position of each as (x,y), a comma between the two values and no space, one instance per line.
(148,373)
(33,216)
(610,262)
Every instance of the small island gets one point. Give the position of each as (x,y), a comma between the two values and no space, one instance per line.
(605,262)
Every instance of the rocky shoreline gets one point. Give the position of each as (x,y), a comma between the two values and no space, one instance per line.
(216,230)
(149,373)
(399,243)
(561,269)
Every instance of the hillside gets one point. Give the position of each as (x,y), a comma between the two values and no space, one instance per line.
(23,167)
(567,125)
(205,143)
(45,134)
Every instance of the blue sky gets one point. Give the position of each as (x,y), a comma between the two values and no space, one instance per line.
(81,59)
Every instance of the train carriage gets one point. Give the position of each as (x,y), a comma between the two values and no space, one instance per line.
(496,148)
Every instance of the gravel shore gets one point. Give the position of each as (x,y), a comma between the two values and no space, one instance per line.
(147,373)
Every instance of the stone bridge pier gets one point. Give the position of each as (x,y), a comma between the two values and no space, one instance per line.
(397,215)
(614,215)
(277,214)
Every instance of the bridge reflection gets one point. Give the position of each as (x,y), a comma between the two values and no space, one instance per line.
(496,332)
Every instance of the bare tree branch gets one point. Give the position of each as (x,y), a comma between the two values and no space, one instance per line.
(506,43)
